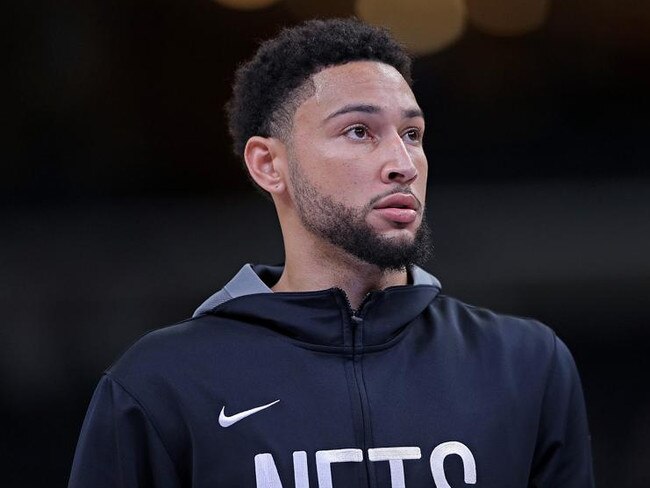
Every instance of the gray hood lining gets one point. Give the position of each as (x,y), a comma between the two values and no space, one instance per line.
(247,282)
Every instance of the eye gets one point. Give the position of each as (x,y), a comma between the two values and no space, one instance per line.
(357,132)
(413,134)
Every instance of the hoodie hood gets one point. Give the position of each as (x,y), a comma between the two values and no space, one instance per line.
(321,317)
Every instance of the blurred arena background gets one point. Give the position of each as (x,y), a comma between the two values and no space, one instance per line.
(122,206)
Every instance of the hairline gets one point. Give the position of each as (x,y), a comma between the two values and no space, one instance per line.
(280,122)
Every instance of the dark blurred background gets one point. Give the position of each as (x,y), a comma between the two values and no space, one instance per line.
(122,206)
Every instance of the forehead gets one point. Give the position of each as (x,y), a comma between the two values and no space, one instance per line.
(367,82)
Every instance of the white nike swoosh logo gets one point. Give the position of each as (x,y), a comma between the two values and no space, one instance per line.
(227,421)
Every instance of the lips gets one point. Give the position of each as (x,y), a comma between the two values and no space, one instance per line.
(398,200)
(398,207)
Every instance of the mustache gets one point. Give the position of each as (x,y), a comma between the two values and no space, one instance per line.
(400,189)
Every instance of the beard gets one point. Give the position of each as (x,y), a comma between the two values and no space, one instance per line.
(346,227)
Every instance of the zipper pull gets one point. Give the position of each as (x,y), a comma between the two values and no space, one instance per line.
(355,324)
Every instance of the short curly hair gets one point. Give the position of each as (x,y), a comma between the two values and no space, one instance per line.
(270,87)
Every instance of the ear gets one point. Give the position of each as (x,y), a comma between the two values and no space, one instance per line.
(265,159)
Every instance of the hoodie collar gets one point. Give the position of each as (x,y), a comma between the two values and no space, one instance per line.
(313,316)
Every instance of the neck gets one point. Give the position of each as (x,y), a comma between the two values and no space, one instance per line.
(311,264)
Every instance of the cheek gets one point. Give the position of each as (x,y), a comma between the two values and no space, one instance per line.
(421,182)
(338,172)
(423,176)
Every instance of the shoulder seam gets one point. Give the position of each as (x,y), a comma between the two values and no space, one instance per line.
(149,417)
(549,372)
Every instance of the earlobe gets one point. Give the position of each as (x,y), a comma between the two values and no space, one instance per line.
(264,157)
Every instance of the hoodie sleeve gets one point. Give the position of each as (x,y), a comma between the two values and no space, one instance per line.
(563,452)
(119,446)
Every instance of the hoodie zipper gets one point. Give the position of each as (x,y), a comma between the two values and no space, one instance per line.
(356,323)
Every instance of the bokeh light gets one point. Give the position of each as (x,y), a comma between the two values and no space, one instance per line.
(507,17)
(307,9)
(246,4)
(424,26)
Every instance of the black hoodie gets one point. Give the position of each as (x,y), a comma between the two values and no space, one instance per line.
(271,390)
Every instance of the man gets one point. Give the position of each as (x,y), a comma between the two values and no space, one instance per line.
(345,367)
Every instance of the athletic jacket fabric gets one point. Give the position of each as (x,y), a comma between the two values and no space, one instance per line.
(272,390)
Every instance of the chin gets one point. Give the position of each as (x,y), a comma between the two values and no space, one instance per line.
(381,224)
(404,235)
(397,229)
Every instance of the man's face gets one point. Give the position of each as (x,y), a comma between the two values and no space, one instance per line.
(357,167)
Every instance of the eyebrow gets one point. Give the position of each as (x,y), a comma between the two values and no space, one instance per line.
(412,113)
(373,109)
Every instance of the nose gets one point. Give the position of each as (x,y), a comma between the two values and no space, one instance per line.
(399,166)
